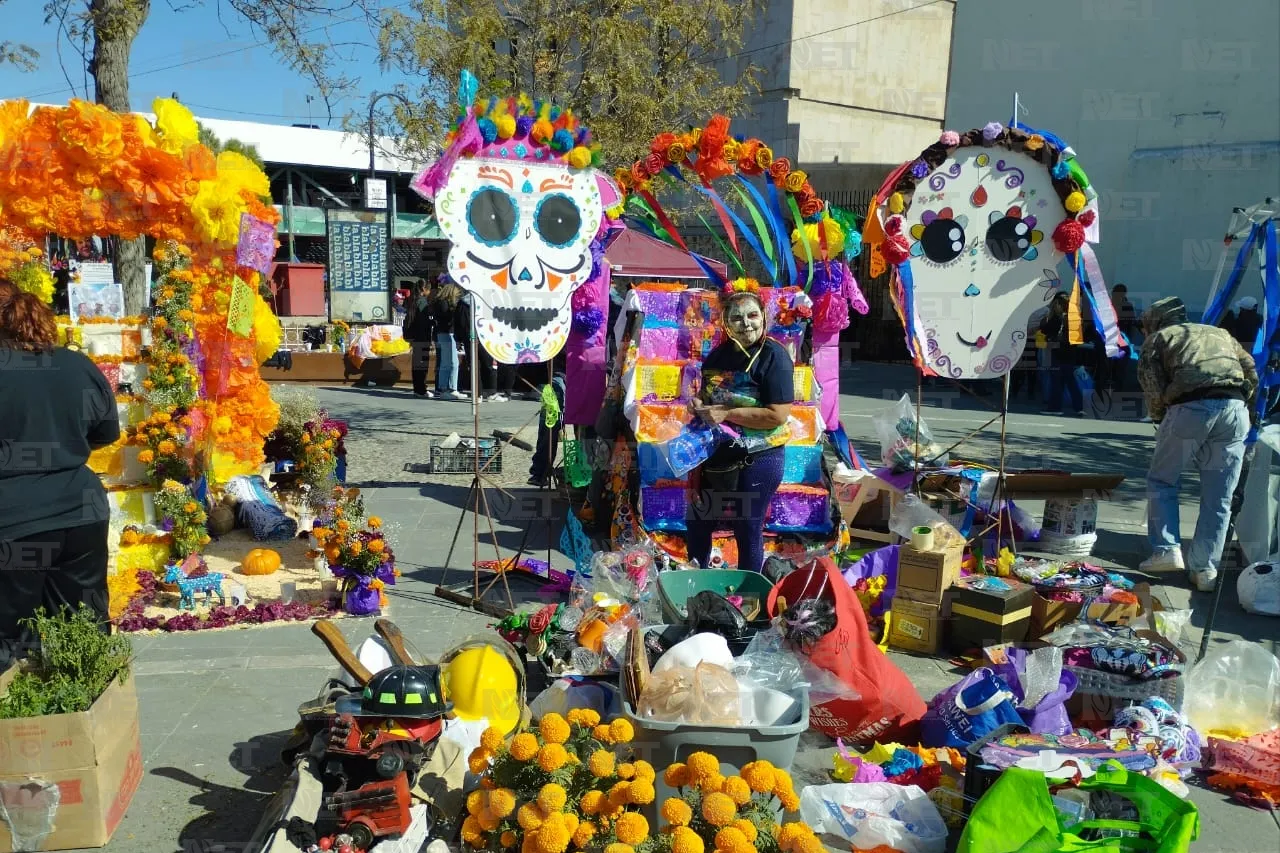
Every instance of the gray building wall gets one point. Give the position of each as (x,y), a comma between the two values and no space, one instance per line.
(1172,106)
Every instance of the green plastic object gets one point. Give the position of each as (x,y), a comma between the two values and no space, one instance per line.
(1017,815)
(676,588)
(576,469)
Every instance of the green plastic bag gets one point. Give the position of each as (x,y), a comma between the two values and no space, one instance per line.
(1017,816)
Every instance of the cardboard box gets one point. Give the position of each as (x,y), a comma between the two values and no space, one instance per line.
(925,576)
(915,626)
(981,617)
(1047,616)
(93,757)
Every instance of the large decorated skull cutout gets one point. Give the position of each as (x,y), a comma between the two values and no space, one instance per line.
(521,234)
(981,261)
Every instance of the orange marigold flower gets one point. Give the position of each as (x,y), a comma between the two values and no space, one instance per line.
(676,812)
(719,810)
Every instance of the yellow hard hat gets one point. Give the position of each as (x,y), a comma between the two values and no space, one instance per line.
(482,684)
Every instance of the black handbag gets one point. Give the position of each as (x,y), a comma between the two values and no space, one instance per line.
(722,473)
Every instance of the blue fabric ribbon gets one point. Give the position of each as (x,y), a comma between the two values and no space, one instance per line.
(1083,278)
(908,301)
(773,217)
(1214,313)
(1267,379)
(746,230)
(784,236)
(1049,137)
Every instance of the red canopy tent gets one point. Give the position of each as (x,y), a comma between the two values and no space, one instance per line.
(637,255)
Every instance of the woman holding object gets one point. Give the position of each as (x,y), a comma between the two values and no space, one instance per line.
(747,384)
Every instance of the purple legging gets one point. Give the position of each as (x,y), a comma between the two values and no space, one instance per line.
(742,512)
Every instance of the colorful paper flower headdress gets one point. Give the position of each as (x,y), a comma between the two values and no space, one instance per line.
(513,128)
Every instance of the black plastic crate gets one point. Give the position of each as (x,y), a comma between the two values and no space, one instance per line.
(462,459)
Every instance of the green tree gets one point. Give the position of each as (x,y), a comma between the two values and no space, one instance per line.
(106,30)
(210,140)
(630,68)
(16,53)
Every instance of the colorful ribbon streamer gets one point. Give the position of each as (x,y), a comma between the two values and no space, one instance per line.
(1214,313)
(784,236)
(808,251)
(1108,324)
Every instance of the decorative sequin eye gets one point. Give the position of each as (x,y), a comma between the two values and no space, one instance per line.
(939,236)
(1011,236)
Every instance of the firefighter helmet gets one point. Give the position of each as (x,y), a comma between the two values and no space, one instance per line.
(408,692)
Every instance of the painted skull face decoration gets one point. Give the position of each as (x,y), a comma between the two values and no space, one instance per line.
(981,259)
(744,321)
(521,234)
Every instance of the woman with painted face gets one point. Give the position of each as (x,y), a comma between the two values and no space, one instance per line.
(747,385)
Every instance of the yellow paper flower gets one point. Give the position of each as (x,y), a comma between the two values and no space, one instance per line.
(524,747)
(601,763)
(1075,202)
(552,798)
(242,174)
(554,729)
(795,180)
(641,793)
(502,802)
(676,812)
(177,126)
(632,828)
(579,157)
(552,757)
(685,840)
(738,790)
(622,731)
(677,776)
(217,214)
(718,809)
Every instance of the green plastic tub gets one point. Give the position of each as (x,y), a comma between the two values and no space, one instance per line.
(677,587)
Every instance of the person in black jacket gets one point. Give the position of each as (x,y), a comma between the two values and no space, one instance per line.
(1064,357)
(55,409)
(450,318)
(419,331)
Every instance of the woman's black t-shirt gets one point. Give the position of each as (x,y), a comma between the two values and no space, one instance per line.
(759,377)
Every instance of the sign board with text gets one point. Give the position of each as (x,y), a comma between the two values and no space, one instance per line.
(375,193)
(357,265)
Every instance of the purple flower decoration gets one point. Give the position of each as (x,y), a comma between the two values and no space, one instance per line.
(919,169)
(524,124)
(587,321)
(992,131)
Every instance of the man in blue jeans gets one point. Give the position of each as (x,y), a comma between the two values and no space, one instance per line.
(1200,386)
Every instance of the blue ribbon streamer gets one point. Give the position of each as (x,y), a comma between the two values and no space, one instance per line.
(747,232)
(784,236)
(1049,136)
(1261,347)
(1213,314)
(774,218)
(908,300)
(1093,306)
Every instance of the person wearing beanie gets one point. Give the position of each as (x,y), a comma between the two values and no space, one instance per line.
(1200,386)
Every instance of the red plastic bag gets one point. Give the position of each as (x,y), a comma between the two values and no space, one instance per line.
(888,708)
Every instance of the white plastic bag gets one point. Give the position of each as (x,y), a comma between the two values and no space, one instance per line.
(1234,691)
(910,512)
(896,428)
(875,813)
(769,660)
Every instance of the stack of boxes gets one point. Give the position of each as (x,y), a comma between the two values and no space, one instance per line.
(922,603)
(679,328)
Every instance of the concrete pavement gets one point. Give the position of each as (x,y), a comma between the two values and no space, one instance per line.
(217,706)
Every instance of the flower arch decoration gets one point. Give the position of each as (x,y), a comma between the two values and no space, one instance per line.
(81,170)
(964,225)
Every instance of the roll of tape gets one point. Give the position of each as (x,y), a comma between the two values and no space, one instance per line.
(922,538)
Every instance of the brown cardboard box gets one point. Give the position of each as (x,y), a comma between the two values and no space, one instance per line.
(925,576)
(93,757)
(1046,616)
(915,626)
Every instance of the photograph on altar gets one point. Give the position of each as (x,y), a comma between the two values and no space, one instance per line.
(95,301)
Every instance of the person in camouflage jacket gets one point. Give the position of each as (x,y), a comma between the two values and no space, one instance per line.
(1200,386)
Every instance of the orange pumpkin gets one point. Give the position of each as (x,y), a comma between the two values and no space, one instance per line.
(260,561)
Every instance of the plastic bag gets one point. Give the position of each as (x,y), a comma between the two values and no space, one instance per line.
(707,694)
(896,429)
(911,512)
(692,446)
(875,814)
(770,661)
(969,710)
(1234,691)
(712,613)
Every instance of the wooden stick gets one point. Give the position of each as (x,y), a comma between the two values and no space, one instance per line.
(394,637)
(329,634)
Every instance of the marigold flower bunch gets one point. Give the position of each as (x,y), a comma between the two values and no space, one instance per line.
(731,814)
(571,783)
(165,450)
(183,517)
(357,554)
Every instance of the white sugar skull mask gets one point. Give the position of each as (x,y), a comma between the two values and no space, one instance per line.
(981,259)
(521,234)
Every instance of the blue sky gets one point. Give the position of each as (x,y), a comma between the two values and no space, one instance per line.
(220,69)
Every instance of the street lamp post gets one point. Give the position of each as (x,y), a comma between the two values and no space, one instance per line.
(391,192)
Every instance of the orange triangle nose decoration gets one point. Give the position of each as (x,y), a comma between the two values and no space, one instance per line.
(553,280)
(500,278)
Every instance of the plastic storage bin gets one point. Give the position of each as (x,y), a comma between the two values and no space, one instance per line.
(677,587)
(462,459)
(662,744)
